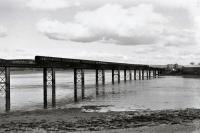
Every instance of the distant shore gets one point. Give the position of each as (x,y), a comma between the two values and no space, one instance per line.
(76,120)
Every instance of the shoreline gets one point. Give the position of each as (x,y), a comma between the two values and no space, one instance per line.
(77,120)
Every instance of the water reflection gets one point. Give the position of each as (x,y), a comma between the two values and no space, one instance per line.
(155,94)
(168,92)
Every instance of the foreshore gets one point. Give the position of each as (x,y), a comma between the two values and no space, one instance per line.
(77,120)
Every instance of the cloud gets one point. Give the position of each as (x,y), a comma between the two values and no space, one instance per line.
(115,24)
(176,37)
(50,4)
(3,31)
(110,23)
(59,31)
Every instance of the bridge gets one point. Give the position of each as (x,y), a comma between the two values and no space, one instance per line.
(50,64)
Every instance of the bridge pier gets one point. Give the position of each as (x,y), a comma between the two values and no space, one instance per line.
(82,84)
(79,80)
(149,73)
(154,73)
(114,74)
(49,80)
(100,76)
(53,88)
(135,72)
(75,86)
(139,74)
(124,75)
(103,77)
(130,75)
(142,74)
(45,88)
(119,76)
(7,76)
(5,85)
(97,81)
(159,72)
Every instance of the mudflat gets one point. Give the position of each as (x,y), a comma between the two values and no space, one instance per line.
(79,120)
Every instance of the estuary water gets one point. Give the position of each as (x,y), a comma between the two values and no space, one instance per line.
(165,92)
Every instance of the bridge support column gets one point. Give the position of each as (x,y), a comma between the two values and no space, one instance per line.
(158,72)
(82,84)
(97,82)
(103,77)
(100,76)
(49,80)
(5,85)
(7,74)
(114,74)
(118,73)
(149,73)
(79,80)
(130,74)
(135,72)
(45,88)
(97,77)
(154,73)
(139,74)
(142,74)
(53,88)
(125,75)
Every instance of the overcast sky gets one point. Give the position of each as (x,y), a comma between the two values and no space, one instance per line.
(133,31)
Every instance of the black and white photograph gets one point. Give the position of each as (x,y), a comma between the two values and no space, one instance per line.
(100,66)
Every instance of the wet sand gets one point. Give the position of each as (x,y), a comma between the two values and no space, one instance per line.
(163,128)
(77,120)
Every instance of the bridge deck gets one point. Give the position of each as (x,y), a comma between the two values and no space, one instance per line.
(55,62)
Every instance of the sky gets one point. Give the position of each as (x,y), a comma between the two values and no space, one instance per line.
(129,31)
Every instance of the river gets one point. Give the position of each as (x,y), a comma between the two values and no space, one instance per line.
(165,92)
